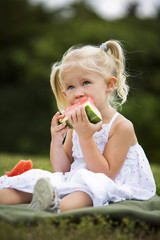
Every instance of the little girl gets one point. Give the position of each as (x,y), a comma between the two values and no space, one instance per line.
(97,163)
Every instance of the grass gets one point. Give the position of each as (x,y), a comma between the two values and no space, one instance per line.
(156,172)
(8,161)
(95,228)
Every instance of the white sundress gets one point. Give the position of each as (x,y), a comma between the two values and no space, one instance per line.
(134,180)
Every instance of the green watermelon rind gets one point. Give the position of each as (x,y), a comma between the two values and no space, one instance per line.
(92,116)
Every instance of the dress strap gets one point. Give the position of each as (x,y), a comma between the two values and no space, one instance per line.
(113,118)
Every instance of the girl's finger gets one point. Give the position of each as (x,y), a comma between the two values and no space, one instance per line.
(61,126)
(55,119)
(79,114)
(60,116)
(64,130)
(84,115)
(73,116)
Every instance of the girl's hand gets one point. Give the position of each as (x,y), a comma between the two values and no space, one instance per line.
(58,131)
(84,128)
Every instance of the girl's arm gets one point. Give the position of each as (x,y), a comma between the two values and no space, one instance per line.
(121,138)
(115,152)
(60,155)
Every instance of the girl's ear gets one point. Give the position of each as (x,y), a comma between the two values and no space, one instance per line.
(111,83)
(63,92)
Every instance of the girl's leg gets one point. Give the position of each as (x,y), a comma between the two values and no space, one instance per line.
(13,196)
(46,198)
(75,200)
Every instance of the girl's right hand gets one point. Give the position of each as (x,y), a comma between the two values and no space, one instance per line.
(58,131)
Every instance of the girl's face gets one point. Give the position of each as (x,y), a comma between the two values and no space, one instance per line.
(79,84)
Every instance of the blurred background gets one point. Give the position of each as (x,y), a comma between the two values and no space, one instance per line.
(34,34)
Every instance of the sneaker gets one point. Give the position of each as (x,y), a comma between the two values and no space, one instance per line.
(43,195)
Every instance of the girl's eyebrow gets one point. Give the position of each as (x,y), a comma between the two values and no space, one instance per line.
(68,84)
(86,79)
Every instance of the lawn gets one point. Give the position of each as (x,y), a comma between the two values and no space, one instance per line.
(97,228)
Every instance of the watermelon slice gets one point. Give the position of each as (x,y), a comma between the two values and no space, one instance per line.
(21,167)
(92,112)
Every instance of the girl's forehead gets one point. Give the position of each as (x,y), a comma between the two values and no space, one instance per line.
(76,72)
(87,66)
(73,67)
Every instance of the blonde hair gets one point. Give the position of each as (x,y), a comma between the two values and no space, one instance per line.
(107,61)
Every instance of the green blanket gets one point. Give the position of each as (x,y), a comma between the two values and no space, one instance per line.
(148,211)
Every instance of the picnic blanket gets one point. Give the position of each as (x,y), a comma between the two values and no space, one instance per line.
(147,211)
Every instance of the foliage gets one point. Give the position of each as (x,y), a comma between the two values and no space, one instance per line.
(33,38)
(95,228)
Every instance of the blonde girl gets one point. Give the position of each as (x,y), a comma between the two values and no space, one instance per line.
(98,163)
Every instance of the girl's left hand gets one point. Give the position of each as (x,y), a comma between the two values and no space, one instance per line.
(84,128)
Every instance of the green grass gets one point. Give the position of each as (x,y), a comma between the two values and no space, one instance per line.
(8,161)
(89,228)
(156,172)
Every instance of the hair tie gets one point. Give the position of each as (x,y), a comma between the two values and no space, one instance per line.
(104,47)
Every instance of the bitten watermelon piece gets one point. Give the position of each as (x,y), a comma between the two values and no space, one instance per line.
(92,112)
(21,167)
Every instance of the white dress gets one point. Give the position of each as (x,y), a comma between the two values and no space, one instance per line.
(134,180)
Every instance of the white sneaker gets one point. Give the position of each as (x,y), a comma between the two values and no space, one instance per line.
(43,197)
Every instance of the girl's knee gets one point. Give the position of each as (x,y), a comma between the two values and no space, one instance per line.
(75,200)
(64,206)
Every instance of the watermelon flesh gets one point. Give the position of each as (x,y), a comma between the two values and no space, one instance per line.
(21,167)
(92,112)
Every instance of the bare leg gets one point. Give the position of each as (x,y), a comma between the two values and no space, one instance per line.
(13,196)
(75,200)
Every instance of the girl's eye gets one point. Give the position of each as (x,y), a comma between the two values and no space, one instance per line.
(70,87)
(86,83)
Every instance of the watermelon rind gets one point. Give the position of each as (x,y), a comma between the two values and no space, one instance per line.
(92,116)
(67,122)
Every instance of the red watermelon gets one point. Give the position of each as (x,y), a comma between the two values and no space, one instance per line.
(92,112)
(21,167)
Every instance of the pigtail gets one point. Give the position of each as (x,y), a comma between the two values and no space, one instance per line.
(114,49)
(57,88)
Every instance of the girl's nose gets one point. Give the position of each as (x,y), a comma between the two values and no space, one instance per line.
(79,94)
